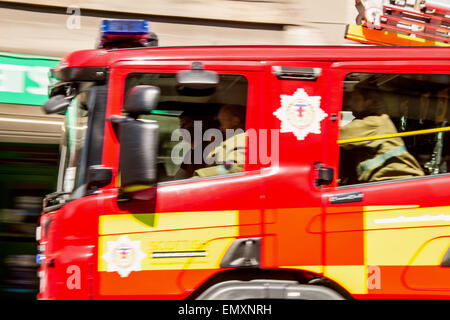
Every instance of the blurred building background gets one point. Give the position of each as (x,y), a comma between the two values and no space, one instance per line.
(36,34)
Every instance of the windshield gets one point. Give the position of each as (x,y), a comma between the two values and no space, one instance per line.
(73,153)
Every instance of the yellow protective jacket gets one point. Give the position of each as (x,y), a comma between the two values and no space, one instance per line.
(229,157)
(383,159)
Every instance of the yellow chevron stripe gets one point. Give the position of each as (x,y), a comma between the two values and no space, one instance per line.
(405,236)
(351,278)
(129,223)
(213,242)
(166,241)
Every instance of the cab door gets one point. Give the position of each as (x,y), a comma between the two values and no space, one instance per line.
(389,238)
(165,241)
(298,110)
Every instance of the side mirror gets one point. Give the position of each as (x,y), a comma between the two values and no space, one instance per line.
(99,176)
(197,78)
(141,100)
(57,104)
(138,152)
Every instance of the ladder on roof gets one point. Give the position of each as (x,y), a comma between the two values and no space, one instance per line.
(401,23)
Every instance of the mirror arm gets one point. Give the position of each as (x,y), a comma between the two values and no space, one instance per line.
(116,120)
(99,176)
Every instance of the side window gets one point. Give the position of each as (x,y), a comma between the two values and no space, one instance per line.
(393,126)
(202,131)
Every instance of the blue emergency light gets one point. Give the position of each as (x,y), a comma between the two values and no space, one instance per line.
(124,27)
(122,33)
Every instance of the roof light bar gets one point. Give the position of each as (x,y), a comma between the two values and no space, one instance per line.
(121,33)
(124,27)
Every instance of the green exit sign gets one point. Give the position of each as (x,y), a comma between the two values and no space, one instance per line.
(24,78)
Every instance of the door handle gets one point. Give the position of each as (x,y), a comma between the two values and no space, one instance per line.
(323,175)
(347,197)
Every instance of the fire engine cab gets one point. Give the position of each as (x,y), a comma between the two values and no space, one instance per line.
(223,172)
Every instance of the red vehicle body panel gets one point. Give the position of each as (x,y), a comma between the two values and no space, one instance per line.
(300,229)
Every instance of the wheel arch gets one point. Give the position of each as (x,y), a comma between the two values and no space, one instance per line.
(281,280)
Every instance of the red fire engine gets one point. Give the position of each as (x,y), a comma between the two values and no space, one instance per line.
(131,221)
